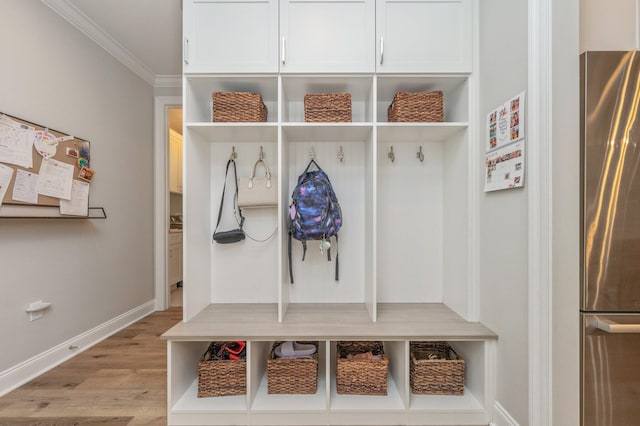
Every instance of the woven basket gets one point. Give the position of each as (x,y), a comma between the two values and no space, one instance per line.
(416,107)
(327,107)
(292,376)
(442,376)
(361,377)
(221,377)
(238,106)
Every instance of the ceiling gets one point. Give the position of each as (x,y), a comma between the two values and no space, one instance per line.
(145,35)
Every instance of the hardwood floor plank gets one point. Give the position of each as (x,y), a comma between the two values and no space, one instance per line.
(120,381)
(66,421)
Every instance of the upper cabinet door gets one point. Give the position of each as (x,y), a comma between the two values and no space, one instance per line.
(424,36)
(327,36)
(230,36)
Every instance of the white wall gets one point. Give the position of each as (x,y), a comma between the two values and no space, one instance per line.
(565,227)
(608,25)
(91,270)
(504,214)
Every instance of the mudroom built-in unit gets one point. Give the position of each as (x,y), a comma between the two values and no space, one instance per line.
(407,191)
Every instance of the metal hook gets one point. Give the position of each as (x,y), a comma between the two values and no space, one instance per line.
(340,154)
(312,154)
(234,154)
(261,153)
(420,155)
(391,155)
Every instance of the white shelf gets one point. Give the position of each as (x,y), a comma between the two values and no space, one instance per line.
(190,403)
(235,132)
(287,403)
(325,132)
(442,403)
(368,403)
(418,132)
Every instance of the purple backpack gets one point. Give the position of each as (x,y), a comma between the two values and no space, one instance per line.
(314,213)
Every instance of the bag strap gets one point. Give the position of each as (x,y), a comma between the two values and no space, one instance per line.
(235,180)
(290,266)
(312,162)
(266,168)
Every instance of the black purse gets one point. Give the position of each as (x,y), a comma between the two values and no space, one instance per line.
(233,235)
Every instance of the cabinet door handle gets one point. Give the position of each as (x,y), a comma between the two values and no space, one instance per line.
(381,49)
(611,326)
(185,52)
(283,50)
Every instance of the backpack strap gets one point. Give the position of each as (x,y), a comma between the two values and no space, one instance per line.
(290,266)
(312,162)
(337,270)
(235,174)
(304,249)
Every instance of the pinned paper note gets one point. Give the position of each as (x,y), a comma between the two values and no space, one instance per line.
(45,143)
(6,173)
(24,188)
(78,205)
(16,142)
(55,179)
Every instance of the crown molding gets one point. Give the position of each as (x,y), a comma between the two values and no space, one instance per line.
(92,30)
(168,81)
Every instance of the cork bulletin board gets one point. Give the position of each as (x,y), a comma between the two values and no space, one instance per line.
(62,150)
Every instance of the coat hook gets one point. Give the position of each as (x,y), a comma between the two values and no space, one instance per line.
(391,155)
(312,154)
(420,155)
(340,154)
(261,153)
(234,154)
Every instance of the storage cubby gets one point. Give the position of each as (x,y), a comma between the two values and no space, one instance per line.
(294,88)
(200,88)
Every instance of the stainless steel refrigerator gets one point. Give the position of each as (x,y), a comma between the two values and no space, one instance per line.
(610,238)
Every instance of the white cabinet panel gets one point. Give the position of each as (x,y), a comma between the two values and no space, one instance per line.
(324,36)
(230,36)
(424,36)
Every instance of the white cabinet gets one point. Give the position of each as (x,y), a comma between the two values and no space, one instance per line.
(429,36)
(406,251)
(230,36)
(175,258)
(327,36)
(175,162)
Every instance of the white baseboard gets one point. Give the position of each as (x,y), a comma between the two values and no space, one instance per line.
(20,374)
(501,417)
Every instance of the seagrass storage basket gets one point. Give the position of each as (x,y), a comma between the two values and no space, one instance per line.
(292,376)
(218,377)
(436,369)
(361,376)
(238,107)
(417,107)
(327,107)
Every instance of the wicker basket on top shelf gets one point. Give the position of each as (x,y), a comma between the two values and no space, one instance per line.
(436,369)
(292,376)
(361,376)
(238,107)
(327,107)
(417,107)
(221,377)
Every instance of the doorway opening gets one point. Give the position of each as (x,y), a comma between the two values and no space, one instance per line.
(174,132)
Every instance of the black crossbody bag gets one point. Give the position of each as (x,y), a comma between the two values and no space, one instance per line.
(233,235)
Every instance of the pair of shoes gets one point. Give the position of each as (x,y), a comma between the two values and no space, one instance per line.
(294,350)
(369,356)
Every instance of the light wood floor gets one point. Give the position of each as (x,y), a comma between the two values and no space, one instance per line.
(120,381)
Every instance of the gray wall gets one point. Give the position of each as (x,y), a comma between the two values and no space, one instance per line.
(504,214)
(91,270)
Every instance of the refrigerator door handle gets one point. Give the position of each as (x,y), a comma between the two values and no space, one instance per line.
(613,327)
